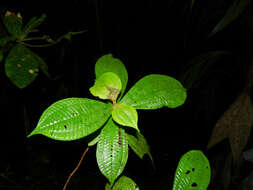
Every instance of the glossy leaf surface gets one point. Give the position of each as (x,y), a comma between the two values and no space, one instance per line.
(108,63)
(155,91)
(139,145)
(72,118)
(107,86)
(193,172)
(22,66)
(125,115)
(125,183)
(112,151)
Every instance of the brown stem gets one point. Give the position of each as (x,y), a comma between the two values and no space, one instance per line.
(74,171)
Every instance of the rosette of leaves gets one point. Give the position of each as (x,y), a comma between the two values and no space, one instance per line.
(75,118)
(21,64)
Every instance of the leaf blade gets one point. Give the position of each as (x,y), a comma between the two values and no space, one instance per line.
(21,66)
(112,151)
(108,63)
(72,118)
(139,145)
(33,23)
(125,183)
(13,23)
(232,13)
(193,172)
(125,115)
(107,86)
(155,91)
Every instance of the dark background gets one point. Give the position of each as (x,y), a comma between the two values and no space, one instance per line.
(149,37)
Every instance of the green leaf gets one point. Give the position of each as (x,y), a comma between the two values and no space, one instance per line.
(72,118)
(33,23)
(94,141)
(13,23)
(112,151)
(125,183)
(21,66)
(108,63)
(193,172)
(125,115)
(155,91)
(108,187)
(139,145)
(107,86)
(233,13)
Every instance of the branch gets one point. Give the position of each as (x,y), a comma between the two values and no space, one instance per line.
(74,171)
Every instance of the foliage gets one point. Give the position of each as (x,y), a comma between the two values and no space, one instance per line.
(74,118)
(193,172)
(21,64)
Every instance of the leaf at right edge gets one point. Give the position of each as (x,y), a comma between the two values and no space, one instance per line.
(235,124)
(112,151)
(233,12)
(72,118)
(139,145)
(108,63)
(125,183)
(193,172)
(155,91)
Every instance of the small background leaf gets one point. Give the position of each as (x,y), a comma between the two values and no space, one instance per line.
(139,145)
(72,118)
(108,63)
(199,67)
(155,91)
(112,151)
(235,124)
(125,183)
(193,172)
(13,23)
(233,12)
(33,23)
(22,66)
(125,115)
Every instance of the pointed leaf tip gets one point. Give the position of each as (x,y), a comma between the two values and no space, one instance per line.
(72,118)
(125,115)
